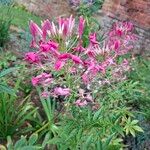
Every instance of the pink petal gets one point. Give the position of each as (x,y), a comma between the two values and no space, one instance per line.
(45,94)
(35,81)
(81,26)
(76,59)
(64,56)
(44,47)
(62,91)
(53,44)
(35,30)
(45,27)
(32,57)
(59,64)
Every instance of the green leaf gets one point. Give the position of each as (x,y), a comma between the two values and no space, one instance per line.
(106,144)
(99,145)
(54,141)
(6,89)
(30,148)
(88,142)
(134,122)
(132,132)
(47,137)
(96,115)
(33,138)
(7,71)
(9,143)
(137,128)
(19,144)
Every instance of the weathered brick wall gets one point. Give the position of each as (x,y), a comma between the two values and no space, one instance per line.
(136,11)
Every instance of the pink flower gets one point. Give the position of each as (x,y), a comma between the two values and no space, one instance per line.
(43,79)
(109,61)
(71,23)
(73,70)
(46,26)
(119,32)
(44,47)
(81,26)
(35,31)
(35,81)
(64,56)
(79,48)
(49,46)
(90,51)
(45,94)
(32,57)
(121,28)
(76,59)
(89,97)
(59,64)
(81,103)
(102,68)
(63,26)
(46,82)
(125,62)
(61,91)
(53,45)
(92,39)
(66,26)
(44,75)
(85,78)
(33,43)
(116,45)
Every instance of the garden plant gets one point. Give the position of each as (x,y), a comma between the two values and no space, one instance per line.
(81,87)
(75,88)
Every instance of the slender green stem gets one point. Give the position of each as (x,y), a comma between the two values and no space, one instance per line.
(42,128)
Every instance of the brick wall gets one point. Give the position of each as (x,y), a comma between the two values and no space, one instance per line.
(136,11)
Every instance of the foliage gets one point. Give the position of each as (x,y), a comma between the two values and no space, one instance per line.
(5,22)
(140,73)
(14,115)
(26,143)
(89,8)
(3,86)
(21,18)
(23,143)
(6,2)
(7,60)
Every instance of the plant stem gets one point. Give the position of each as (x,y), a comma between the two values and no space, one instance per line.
(42,128)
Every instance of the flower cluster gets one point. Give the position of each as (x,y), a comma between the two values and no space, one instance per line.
(66,66)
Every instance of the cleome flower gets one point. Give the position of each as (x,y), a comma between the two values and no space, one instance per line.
(74,65)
